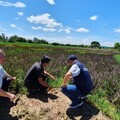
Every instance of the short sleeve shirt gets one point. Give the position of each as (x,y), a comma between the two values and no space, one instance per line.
(35,72)
(75,70)
(2,74)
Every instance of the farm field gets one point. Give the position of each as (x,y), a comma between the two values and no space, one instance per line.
(103,65)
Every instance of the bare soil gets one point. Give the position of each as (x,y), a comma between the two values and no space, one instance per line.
(51,106)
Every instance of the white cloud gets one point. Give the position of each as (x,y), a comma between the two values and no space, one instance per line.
(49,29)
(117,30)
(110,44)
(85,41)
(44,19)
(20,13)
(17,4)
(66,30)
(69,37)
(44,29)
(95,17)
(36,28)
(14,26)
(51,2)
(73,40)
(82,30)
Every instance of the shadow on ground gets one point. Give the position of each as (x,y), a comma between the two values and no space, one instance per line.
(86,112)
(5,106)
(43,96)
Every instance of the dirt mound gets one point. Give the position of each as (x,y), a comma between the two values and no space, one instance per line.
(53,106)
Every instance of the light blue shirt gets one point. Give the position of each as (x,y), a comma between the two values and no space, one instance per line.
(2,74)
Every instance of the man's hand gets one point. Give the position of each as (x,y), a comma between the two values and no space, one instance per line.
(11,96)
(71,78)
(49,88)
(13,78)
(53,77)
(63,85)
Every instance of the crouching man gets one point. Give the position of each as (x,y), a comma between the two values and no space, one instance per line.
(82,84)
(5,79)
(36,76)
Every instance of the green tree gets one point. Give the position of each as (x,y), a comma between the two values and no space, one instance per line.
(2,37)
(38,41)
(44,41)
(116,45)
(20,39)
(95,44)
(13,38)
(30,41)
(35,40)
(55,43)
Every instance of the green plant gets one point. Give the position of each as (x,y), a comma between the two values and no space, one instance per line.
(56,83)
(117,57)
(99,99)
(18,85)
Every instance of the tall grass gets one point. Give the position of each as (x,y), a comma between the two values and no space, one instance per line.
(117,57)
(99,99)
(104,70)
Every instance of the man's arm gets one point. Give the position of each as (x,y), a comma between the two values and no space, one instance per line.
(74,71)
(6,74)
(44,83)
(67,77)
(49,75)
(7,94)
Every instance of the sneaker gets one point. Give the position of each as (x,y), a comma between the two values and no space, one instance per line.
(75,105)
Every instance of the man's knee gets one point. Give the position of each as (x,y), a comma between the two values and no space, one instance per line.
(64,89)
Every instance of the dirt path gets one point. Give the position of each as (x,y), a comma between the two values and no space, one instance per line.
(53,106)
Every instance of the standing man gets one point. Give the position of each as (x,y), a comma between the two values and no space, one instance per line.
(5,79)
(82,84)
(36,76)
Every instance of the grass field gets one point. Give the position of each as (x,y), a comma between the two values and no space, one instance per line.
(103,65)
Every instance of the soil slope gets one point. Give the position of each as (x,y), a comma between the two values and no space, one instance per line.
(53,106)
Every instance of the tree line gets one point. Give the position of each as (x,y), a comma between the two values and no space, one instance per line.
(15,38)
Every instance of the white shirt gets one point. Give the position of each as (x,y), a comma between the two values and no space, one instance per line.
(2,74)
(75,70)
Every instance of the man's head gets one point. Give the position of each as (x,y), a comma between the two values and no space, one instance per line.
(45,60)
(71,59)
(2,56)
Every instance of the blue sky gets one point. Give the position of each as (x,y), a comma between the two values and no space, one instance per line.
(62,21)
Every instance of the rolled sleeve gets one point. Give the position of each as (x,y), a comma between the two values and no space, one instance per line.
(2,71)
(1,81)
(2,74)
(75,70)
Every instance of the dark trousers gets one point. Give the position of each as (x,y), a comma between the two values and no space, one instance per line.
(36,86)
(73,93)
(6,83)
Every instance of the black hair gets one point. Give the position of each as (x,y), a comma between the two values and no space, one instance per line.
(45,59)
